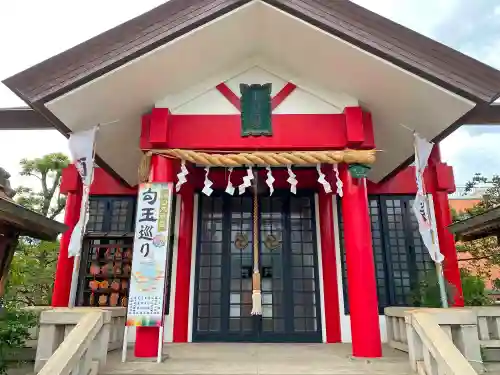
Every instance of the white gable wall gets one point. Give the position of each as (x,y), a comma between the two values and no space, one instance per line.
(209,101)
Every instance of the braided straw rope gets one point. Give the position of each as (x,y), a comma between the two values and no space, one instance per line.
(260,158)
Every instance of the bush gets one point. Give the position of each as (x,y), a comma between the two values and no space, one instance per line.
(427,294)
(14,331)
(474,289)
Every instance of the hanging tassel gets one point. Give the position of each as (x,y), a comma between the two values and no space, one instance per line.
(207,190)
(181,176)
(339,183)
(230,187)
(256,295)
(322,180)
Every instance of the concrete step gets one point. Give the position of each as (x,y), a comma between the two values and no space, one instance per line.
(262,359)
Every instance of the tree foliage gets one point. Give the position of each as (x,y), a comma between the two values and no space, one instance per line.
(48,170)
(489,200)
(32,270)
(427,293)
(484,253)
(14,331)
(31,275)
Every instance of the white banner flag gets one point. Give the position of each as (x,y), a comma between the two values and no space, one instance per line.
(423,150)
(421,207)
(81,147)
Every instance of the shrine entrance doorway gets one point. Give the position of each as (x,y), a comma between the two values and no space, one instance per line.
(288,266)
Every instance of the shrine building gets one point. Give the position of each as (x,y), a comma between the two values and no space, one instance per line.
(306,106)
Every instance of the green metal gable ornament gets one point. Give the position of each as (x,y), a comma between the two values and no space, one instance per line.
(358,170)
(256,109)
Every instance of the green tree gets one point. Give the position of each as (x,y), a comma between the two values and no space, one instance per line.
(48,170)
(483,254)
(32,271)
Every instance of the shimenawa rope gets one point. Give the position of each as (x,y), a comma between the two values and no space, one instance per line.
(259,158)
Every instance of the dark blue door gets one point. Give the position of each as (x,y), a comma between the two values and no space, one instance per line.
(288,266)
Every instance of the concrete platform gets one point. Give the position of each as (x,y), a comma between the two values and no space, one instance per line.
(263,359)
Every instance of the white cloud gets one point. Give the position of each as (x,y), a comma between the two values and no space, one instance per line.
(469,154)
(32,31)
(19,144)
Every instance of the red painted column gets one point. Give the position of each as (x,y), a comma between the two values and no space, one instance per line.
(440,188)
(361,282)
(64,269)
(183,275)
(146,338)
(329,262)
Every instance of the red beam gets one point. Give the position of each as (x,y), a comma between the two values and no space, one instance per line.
(354,126)
(223,132)
(282,95)
(369,137)
(144,142)
(158,126)
(229,95)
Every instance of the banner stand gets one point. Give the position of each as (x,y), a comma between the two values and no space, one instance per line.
(149,279)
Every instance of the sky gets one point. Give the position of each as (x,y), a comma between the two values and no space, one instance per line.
(32,31)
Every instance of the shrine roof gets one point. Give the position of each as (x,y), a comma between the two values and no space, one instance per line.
(55,86)
(22,118)
(479,226)
(407,49)
(23,220)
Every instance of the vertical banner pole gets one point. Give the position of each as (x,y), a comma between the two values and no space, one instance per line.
(424,213)
(160,344)
(435,239)
(82,149)
(74,281)
(441,282)
(124,345)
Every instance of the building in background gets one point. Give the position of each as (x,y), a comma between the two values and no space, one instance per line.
(460,201)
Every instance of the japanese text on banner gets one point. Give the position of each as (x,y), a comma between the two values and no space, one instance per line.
(149,264)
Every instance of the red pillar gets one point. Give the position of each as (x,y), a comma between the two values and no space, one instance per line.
(442,184)
(361,282)
(64,269)
(183,278)
(146,338)
(329,262)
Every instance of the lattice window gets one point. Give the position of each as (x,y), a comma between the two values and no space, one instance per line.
(398,245)
(210,270)
(97,212)
(378,252)
(111,214)
(303,265)
(399,255)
